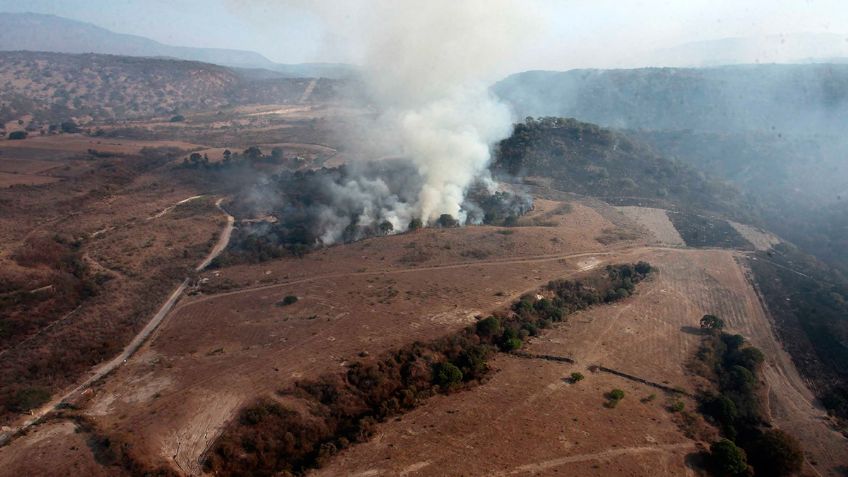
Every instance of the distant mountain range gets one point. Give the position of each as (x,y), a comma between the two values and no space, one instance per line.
(50,33)
(792,48)
(809,98)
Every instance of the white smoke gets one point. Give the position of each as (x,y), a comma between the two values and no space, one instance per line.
(426,66)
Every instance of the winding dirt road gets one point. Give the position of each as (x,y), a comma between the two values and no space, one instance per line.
(104,369)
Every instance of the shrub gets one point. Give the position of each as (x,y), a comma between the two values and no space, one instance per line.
(712,322)
(447,375)
(28,398)
(577,377)
(776,453)
(511,344)
(17,135)
(447,221)
(288,300)
(489,327)
(415,224)
(677,406)
(616,394)
(177,118)
(69,127)
(727,459)
(613,398)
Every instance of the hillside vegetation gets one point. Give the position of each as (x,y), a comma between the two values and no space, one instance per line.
(58,87)
(591,160)
(782,98)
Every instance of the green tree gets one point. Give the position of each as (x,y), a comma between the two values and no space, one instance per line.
(777,454)
(415,224)
(386,227)
(577,377)
(447,221)
(712,322)
(727,459)
(447,375)
(489,327)
(17,135)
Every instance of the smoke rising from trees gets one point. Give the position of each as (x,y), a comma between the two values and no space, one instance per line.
(426,67)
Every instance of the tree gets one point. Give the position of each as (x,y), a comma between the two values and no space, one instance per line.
(177,118)
(447,221)
(277,155)
(69,127)
(228,155)
(613,397)
(712,322)
(415,224)
(253,153)
(727,459)
(386,227)
(577,377)
(489,327)
(17,135)
(447,375)
(777,454)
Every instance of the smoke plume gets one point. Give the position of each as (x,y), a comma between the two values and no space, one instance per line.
(426,67)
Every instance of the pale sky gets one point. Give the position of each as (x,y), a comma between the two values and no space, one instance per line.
(578,33)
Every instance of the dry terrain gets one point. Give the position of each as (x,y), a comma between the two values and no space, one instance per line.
(230,342)
(136,218)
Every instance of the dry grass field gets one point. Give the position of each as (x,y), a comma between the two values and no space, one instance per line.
(229,340)
(218,351)
(529,420)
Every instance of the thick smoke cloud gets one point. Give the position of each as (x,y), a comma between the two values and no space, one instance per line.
(426,67)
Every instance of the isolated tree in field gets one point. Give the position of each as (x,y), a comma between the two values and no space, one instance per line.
(712,322)
(228,155)
(727,459)
(17,135)
(386,227)
(577,377)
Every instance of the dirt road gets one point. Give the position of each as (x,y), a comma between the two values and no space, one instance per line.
(104,369)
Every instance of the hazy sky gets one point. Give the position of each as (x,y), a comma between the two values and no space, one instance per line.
(576,33)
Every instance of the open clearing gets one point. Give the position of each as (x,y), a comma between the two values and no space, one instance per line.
(657,222)
(216,352)
(528,420)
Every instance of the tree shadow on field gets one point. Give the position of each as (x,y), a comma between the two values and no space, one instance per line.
(692,330)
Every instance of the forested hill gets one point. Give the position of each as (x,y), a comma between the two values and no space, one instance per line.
(809,98)
(591,160)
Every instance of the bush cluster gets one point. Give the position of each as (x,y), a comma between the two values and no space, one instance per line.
(738,411)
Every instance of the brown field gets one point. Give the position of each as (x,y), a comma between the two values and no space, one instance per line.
(529,421)
(9,180)
(760,239)
(657,222)
(217,352)
(76,143)
(228,341)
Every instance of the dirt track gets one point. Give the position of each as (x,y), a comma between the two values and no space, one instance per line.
(219,351)
(108,367)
